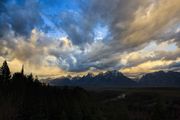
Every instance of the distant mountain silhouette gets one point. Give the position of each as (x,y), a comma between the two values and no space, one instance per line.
(161,78)
(117,79)
(107,79)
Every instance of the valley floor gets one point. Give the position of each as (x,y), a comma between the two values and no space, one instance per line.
(140,103)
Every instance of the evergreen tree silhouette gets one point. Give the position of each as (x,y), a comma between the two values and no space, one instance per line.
(5,72)
(24,97)
(22,70)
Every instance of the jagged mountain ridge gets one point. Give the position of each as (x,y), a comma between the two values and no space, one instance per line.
(110,78)
(117,79)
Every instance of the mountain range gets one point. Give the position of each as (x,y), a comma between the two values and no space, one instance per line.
(117,79)
(161,79)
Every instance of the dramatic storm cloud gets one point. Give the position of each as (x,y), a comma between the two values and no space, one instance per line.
(57,37)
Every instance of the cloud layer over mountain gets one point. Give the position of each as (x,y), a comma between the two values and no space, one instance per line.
(90,35)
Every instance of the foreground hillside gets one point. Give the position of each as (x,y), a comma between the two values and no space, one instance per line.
(34,101)
(23,97)
(31,100)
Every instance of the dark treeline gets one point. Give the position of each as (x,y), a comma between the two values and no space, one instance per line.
(23,97)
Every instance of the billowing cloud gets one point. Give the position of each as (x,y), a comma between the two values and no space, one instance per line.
(90,35)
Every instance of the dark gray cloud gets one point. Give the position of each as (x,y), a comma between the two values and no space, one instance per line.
(21,19)
(175,65)
(115,14)
(131,26)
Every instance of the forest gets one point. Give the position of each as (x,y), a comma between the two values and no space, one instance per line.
(23,97)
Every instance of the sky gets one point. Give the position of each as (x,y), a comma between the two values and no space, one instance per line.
(61,37)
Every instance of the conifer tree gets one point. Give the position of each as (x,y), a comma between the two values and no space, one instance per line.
(5,72)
